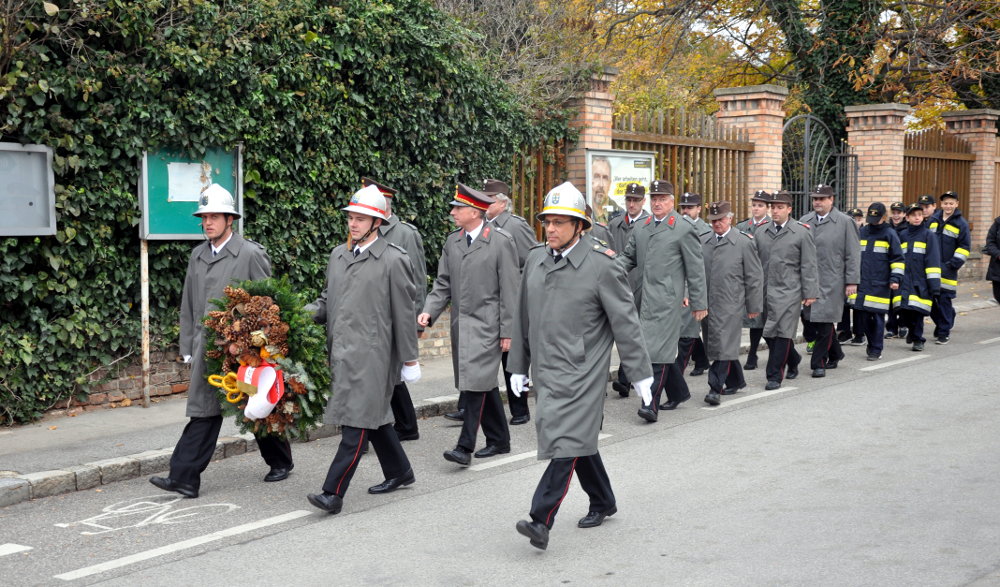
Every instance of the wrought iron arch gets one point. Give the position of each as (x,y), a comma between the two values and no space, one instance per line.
(811,156)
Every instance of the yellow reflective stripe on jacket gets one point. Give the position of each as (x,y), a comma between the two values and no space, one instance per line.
(919,247)
(933,272)
(952,230)
(896,300)
(949,284)
(962,253)
(876,302)
(898,268)
(852,297)
(864,242)
(918,302)
(933,225)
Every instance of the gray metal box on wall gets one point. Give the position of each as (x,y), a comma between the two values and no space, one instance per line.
(27,190)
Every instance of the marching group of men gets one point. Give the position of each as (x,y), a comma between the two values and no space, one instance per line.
(664,287)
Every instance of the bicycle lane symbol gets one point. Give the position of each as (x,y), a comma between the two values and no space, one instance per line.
(146,511)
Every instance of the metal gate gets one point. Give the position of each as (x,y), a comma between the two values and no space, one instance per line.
(811,156)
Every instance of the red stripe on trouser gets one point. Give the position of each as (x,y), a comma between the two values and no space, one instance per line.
(357,454)
(688,356)
(548,518)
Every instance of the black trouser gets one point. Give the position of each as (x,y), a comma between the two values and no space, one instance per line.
(844,326)
(943,315)
(518,405)
(892,322)
(858,322)
(402,410)
(668,376)
(755,335)
(388,450)
(484,407)
(725,374)
(827,348)
(196,446)
(874,324)
(915,322)
(808,330)
(699,354)
(555,482)
(622,378)
(996,290)
(782,353)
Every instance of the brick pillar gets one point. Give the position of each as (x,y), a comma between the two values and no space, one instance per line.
(594,118)
(979,128)
(760,111)
(875,133)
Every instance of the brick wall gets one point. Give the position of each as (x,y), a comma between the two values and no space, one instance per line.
(875,133)
(760,111)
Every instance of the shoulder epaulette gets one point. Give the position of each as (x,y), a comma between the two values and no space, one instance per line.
(395,246)
(533,247)
(454,231)
(257,244)
(405,223)
(746,234)
(803,224)
(499,230)
(602,248)
(601,242)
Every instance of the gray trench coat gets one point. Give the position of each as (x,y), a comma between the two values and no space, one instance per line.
(691,328)
(620,229)
(207,276)
(790,275)
(367,306)
(517,227)
(750,228)
(735,289)
(567,317)
(601,233)
(481,283)
(668,258)
(838,257)
(407,237)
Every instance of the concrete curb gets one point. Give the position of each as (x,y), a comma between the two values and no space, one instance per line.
(31,486)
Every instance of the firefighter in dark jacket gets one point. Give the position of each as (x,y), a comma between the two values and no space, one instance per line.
(899,222)
(882,269)
(921,283)
(953,238)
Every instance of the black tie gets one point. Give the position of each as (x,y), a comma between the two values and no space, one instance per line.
(468,240)
(214,252)
(556,258)
(718,238)
(777,228)
(657,223)
(357,251)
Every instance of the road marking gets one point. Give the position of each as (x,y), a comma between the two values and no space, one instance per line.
(896,362)
(441,398)
(9,548)
(515,458)
(750,398)
(989,340)
(182,545)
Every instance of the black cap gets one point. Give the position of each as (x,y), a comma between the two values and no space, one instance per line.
(855,213)
(386,191)
(914,208)
(926,199)
(782,197)
(761,196)
(875,213)
(823,191)
(634,190)
(718,210)
(898,206)
(948,194)
(689,199)
(661,187)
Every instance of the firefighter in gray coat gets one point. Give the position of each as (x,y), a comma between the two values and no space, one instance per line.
(788,256)
(478,275)
(224,259)
(407,237)
(499,216)
(759,219)
(574,303)
(620,228)
(691,347)
(735,292)
(367,306)
(667,254)
(839,265)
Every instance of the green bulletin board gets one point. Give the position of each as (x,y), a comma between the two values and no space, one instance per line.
(171,184)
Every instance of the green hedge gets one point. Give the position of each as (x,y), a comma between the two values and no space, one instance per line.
(318,94)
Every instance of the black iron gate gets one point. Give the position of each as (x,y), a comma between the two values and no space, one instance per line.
(810,156)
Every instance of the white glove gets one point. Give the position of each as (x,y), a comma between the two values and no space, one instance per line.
(187,358)
(518,384)
(410,373)
(644,389)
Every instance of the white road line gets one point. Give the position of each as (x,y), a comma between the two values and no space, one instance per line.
(751,398)
(441,398)
(10,548)
(916,357)
(989,341)
(182,545)
(514,458)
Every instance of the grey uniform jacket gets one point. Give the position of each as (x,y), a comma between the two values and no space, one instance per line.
(568,315)
(735,289)
(481,283)
(691,328)
(748,226)
(517,227)
(207,277)
(668,258)
(839,263)
(367,306)
(407,237)
(601,233)
(620,228)
(790,275)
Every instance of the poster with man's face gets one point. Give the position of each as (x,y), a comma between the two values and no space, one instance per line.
(608,172)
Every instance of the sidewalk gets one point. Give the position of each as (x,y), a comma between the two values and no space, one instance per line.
(100,447)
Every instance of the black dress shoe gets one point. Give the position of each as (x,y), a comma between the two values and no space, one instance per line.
(328,502)
(712,399)
(832,364)
(621,388)
(390,485)
(792,372)
(697,371)
(536,532)
(918,346)
(168,484)
(457,455)
(458,416)
(492,450)
(647,414)
(278,473)
(772,385)
(732,390)
(518,420)
(404,436)
(820,372)
(672,404)
(750,365)
(595,519)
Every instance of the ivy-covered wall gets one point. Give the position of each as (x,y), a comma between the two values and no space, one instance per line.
(318,93)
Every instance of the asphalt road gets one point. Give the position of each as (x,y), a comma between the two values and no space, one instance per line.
(882,473)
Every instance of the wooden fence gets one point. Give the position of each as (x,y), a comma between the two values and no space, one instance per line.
(533,174)
(935,162)
(693,152)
